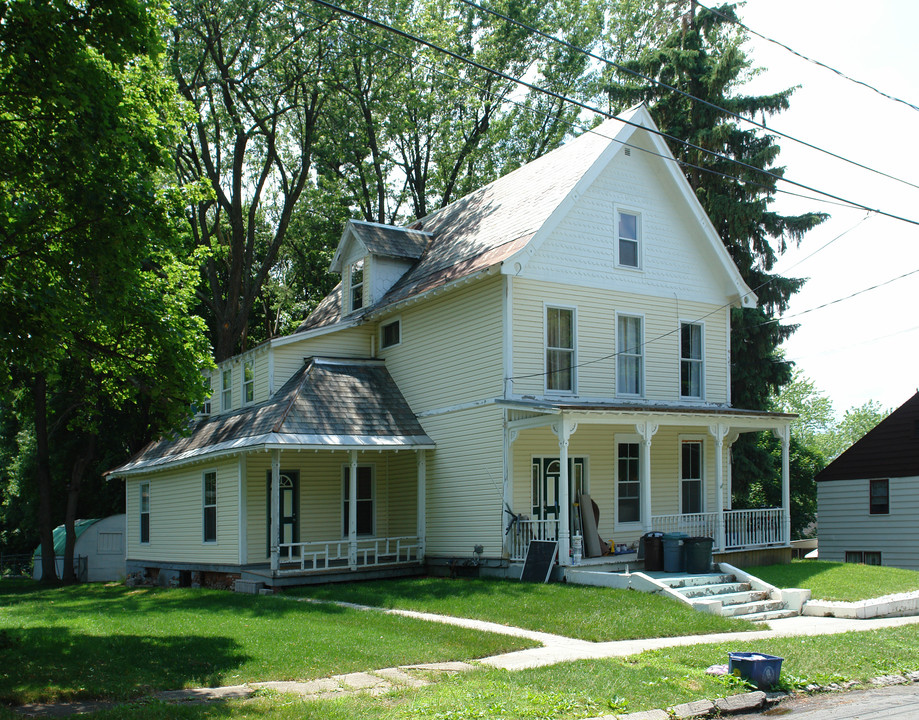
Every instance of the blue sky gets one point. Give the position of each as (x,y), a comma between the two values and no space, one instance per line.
(866,347)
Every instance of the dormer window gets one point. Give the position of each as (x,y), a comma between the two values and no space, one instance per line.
(357,285)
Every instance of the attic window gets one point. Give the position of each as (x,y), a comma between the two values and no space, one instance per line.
(357,285)
(628,233)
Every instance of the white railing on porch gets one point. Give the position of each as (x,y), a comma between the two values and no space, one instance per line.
(522,531)
(743,529)
(306,557)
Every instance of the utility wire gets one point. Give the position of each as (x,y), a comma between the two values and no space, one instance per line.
(585,106)
(808,59)
(664,85)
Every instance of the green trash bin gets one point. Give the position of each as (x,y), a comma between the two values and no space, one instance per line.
(673,552)
(697,552)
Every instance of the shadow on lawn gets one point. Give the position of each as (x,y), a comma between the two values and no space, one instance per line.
(52,663)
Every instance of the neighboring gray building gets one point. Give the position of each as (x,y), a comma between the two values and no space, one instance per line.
(98,553)
(868,497)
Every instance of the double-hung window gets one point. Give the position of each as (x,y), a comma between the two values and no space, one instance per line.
(248,382)
(879,497)
(560,353)
(145,512)
(209,493)
(628,483)
(226,396)
(357,285)
(390,334)
(691,360)
(364,500)
(629,243)
(630,356)
(690,477)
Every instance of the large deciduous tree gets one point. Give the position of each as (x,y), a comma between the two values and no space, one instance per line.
(94,284)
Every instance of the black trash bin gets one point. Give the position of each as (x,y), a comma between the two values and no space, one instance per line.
(697,552)
(652,550)
(673,552)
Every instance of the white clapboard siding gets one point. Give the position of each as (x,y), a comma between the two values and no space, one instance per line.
(347,343)
(845,524)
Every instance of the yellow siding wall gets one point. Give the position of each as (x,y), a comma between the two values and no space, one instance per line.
(176,515)
(349,343)
(596,339)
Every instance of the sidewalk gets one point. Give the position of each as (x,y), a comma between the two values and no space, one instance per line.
(555,649)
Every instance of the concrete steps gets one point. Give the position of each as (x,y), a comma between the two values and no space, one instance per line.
(733,598)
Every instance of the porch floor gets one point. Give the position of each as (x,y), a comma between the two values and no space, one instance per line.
(294,576)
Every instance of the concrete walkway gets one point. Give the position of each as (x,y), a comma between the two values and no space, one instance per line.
(554,649)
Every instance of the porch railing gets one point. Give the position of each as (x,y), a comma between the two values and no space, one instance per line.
(742,528)
(305,557)
(522,531)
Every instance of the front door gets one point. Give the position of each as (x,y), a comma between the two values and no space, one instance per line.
(289,504)
(546,477)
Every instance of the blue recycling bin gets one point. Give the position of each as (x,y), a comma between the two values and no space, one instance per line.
(673,552)
(760,669)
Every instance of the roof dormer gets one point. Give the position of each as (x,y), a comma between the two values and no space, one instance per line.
(371,258)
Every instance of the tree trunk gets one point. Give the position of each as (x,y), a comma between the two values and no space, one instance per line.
(69,574)
(43,478)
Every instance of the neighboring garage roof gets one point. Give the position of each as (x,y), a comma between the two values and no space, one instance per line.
(891,449)
(60,535)
(328,403)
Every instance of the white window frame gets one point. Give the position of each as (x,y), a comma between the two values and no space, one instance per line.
(392,321)
(205,506)
(248,380)
(345,475)
(353,287)
(639,249)
(617,441)
(573,350)
(621,355)
(144,486)
(226,392)
(699,362)
(698,440)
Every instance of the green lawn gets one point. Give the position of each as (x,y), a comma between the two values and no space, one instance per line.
(588,613)
(94,641)
(848,582)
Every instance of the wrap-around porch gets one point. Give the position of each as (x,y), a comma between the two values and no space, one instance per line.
(661,469)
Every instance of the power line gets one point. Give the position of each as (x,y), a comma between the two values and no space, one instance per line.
(808,59)
(847,297)
(664,85)
(598,111)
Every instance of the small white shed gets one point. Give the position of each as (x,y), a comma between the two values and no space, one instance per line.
(100,541)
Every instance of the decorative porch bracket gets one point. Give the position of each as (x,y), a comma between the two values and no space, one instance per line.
(564,429)
(719,432)
(646,430)
(275,508)
(784,434)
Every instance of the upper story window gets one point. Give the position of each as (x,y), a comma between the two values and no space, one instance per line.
(630,356)
(226,396)
(560,353)
(356,294)
(629,240)
(879,497)
(210,507)
(691,360)
(248,381)
(390,334)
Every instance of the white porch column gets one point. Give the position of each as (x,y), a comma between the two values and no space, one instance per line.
(422,499)
(784,434)
(563,429)
(275,508)
(719,432)
(646,431)
(352,512)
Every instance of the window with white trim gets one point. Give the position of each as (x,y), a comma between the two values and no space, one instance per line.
(628,482)
(365,511)
(630,356)
(226,396)
(356,283)
(248,381)
(145,512)
(691,477)
(560,353)
(390,334)
(209,514)
(628,232)
(691,360)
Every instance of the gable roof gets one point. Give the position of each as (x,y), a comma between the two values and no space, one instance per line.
(385,240)
(497,222)
(343,404)
(889,450)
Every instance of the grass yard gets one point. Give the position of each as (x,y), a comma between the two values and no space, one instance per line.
(588,613)
(569,691)
(849,582)
(94,641)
